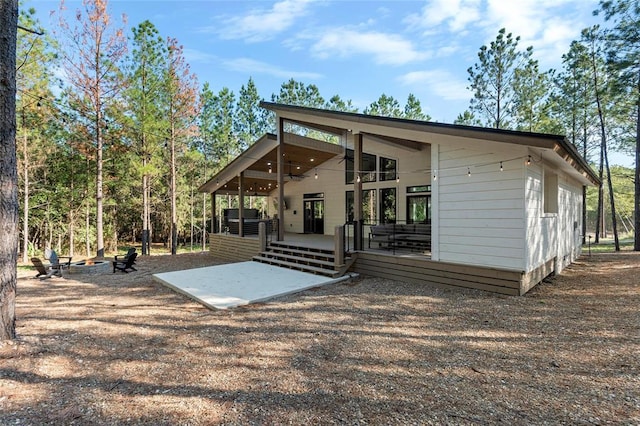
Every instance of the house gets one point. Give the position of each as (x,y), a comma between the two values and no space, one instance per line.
(424,202)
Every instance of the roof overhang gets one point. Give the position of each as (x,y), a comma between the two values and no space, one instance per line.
(258,164)
(412,134)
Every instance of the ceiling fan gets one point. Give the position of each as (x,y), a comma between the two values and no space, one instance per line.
(293,176)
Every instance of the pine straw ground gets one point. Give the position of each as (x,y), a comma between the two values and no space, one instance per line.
(122,349)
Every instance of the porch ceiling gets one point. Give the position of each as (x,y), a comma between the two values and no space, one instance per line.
(301,156)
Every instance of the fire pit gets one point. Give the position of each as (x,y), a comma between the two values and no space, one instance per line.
(90,267)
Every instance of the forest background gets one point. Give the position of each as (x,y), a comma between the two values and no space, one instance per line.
(115,133)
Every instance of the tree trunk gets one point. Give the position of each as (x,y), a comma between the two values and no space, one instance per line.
(8,169)
(636,243)
(191,219)
(87,228)
(99,195)
(145,202)
(604,158)
(174,212)
(25,201)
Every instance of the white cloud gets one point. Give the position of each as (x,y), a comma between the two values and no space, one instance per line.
(260,24)
(387,49)
(193,55)
(440,82)
(547,25)
(457,14)
(253,67)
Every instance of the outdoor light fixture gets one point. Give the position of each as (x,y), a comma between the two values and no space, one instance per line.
(529,160)
(316,174)
(501,169)
(468,172)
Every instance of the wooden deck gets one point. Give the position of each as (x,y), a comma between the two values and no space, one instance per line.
(413,266)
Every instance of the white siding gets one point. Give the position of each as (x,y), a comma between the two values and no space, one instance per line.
(569,222)
(552,235)
(481,218)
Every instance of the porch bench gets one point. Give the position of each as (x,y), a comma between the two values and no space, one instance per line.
(401,235)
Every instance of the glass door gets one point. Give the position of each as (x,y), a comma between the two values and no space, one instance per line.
(419,209)
(314,216)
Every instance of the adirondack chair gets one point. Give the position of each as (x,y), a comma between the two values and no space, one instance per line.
(125,257)
(56,262)
(123,265)
(44,271)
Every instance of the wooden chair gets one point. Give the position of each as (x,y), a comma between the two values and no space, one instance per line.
(123,265)
(125,257)
(44,271)
(58,265)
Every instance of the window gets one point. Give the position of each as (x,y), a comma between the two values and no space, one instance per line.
(388,168)
(418,189)
(419,209)
(349,206)
(550,196)
(368,206)
(368,167)
(388,205)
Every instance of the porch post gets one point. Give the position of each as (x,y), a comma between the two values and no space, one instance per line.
(241,204)
(357,191)
(280,185)
(213,212)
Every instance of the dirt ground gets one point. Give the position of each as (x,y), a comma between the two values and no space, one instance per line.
(122,349)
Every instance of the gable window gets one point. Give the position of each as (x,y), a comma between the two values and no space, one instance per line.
(388,168)
(368,167)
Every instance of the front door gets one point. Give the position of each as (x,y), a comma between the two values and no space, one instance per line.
(314,217)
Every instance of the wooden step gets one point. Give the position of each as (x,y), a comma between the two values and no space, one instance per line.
(298,259)
(298,266)
(302,253)
(281,244)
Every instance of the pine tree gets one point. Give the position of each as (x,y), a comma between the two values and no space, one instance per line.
(625,54)
(492,80)
(8,169)
(143,96)
(91,51)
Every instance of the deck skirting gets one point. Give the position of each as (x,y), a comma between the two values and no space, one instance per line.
(233,248)
(442,274)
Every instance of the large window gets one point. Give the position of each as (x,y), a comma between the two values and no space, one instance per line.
(388,168)
(388,205)
(368,167)
(368,206)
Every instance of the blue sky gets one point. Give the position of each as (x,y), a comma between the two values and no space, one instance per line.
(357,49)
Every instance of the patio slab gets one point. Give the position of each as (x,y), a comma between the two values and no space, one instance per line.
(234,284)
